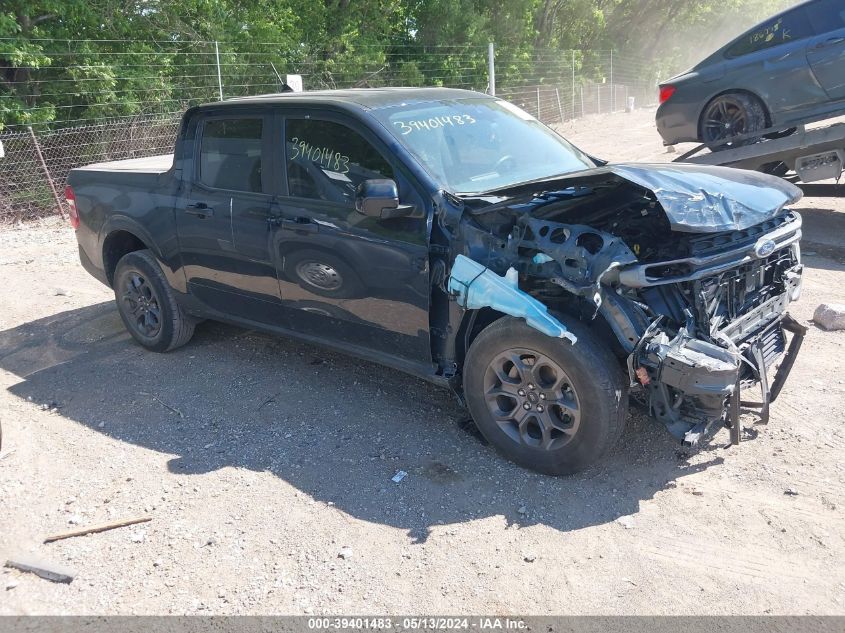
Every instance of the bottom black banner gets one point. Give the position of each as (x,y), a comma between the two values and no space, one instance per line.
(534,624)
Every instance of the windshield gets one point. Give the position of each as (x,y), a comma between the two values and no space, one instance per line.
(479,145)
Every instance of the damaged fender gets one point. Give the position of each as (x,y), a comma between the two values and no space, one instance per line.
(476,286)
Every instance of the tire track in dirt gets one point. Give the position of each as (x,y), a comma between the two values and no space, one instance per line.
(747,561)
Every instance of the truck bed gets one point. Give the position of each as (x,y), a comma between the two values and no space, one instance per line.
(138,174)
(149,165)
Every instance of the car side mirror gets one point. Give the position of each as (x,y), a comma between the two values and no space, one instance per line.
(379,198)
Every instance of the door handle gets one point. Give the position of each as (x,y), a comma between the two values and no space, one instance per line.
(830,42)
(300,225)
(199,208)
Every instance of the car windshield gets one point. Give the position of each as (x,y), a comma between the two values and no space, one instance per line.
(477,145)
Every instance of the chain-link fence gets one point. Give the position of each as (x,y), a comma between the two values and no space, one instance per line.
(36,163)
(80,121)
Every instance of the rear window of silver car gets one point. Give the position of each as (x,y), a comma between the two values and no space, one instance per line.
(789,27)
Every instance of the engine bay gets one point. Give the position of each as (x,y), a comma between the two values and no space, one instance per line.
(694,314)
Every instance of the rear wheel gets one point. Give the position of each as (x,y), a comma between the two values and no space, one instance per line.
(730,115)
(147,304)
(543,402)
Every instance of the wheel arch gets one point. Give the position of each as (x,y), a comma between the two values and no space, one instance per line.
(475,321)
(728,91)
(116,244)
(472,324)
(120,235)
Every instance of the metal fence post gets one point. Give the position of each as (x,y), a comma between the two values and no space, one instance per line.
(538,102)
(559,107)
(46,172)
(219,76)
(612,89)
(573,83)
(491,69)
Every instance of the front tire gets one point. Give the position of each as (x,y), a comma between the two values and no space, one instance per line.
(147,305)
(542,402)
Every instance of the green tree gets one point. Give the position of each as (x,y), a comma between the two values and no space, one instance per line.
(67,60)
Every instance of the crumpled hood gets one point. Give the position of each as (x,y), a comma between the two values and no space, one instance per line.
(706,199)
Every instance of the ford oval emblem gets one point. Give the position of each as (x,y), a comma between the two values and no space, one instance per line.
(764,248)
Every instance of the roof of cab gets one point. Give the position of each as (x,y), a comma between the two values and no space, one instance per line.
(366,98)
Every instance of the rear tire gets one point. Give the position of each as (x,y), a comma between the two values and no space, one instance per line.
(542,402)
(731,114)
(147,304)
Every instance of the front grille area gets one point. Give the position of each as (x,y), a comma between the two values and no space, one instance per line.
(722,298)
(714,243)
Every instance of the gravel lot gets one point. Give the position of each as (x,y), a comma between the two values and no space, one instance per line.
(266,467)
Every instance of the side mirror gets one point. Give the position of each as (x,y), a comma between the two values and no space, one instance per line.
(380,199)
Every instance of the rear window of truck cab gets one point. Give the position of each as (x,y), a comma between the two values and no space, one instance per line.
(230,153)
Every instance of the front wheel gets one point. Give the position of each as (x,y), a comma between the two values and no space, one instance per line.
(147,304)
(543,402)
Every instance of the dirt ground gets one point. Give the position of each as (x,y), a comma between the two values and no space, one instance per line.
(261,459)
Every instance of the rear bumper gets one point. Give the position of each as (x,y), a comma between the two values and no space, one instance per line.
(676,122)
(97,273)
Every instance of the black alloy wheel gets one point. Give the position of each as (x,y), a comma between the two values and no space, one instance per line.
(532,399)
(148,305)
(545,403)
(141,302)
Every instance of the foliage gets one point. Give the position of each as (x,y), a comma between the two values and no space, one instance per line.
(66,60)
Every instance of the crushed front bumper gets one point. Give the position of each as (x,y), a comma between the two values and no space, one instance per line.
(756,356)
(693,384)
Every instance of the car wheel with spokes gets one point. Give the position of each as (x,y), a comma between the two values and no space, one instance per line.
(147,304)
(730,115)
(141,304)
(542,402)
(532,399)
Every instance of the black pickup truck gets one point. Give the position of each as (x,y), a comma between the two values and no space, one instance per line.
(451,235)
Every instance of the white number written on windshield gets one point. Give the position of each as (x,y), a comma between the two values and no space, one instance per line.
(421,125)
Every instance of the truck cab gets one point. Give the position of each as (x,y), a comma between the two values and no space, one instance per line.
(451,235)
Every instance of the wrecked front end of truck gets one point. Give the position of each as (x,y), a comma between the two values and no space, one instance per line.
(687,271)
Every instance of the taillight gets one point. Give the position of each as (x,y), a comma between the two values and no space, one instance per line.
(71,205)
(666,92)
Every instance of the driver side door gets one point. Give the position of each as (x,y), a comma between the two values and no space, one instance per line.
(343,276)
